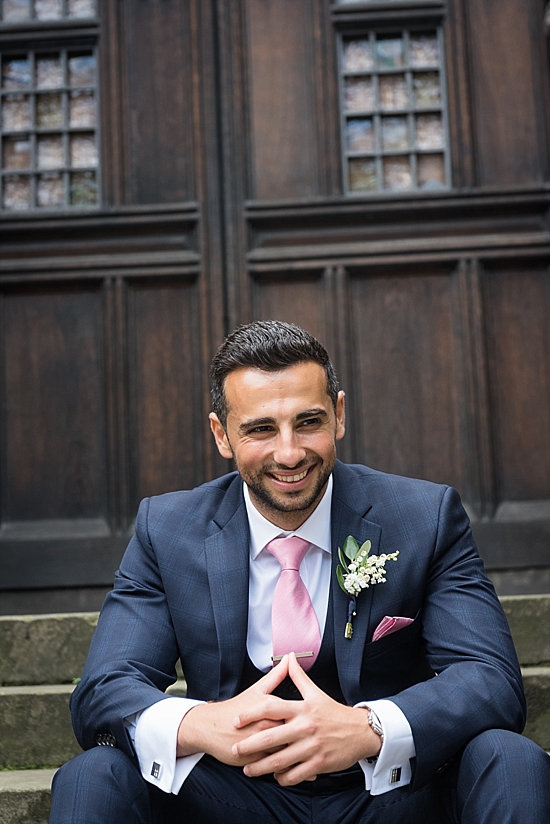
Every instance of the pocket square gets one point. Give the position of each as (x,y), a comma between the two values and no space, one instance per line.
(388,625)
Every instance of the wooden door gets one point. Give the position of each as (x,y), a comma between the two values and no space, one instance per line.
(395,206)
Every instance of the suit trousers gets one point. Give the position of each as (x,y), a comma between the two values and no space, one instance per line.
(499,778)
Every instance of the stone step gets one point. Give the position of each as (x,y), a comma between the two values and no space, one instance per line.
(536,681)
(529,620)
(44,649)
(25,796)
(51,649)
(36,726)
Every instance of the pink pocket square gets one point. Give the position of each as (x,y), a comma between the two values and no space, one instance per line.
(388,625)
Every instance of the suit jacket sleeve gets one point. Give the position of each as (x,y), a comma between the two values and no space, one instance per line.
(133,653)
(478,683)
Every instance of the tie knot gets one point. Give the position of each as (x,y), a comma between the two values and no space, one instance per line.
(288,551)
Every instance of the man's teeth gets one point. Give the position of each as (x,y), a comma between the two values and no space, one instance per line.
(290,478)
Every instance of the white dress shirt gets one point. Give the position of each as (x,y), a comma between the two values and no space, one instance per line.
(154,731)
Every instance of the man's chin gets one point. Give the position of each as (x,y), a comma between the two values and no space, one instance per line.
(298,501)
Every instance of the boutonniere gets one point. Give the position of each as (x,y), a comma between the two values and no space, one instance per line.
(360,571)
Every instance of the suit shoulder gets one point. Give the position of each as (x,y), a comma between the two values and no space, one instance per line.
(384,485)
(204,499)
(377,477)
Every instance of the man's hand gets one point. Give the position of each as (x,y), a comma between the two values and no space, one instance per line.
(212,728)
(313,736)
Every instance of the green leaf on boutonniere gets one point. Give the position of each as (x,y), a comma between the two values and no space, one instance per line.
(340,577)
(351,548)
(342,560)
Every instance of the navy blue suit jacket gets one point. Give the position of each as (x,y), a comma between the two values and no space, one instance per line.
(182,592)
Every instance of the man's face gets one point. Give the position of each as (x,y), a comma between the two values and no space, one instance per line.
(282,431)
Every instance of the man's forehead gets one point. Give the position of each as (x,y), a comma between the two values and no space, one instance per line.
(301,385)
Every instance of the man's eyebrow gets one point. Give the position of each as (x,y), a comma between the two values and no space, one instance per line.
(245,425)
(318,412)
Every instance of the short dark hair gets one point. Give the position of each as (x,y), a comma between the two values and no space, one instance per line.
(270,345)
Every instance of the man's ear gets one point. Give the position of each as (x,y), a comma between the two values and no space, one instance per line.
(220,436)
(340,415)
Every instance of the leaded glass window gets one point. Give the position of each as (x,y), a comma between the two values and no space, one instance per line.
(394,126)
(49,129)
(16,11)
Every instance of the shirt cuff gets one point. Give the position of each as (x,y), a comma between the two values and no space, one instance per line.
(392,768)
(155,735)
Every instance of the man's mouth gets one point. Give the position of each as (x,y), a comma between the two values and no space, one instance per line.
(288,479)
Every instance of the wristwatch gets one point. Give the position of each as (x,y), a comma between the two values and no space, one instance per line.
(376,725)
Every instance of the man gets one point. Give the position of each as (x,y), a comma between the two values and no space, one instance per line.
(420,722)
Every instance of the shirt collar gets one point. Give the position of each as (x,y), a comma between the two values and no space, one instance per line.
(316,529)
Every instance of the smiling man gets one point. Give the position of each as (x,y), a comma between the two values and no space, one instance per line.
(290,716)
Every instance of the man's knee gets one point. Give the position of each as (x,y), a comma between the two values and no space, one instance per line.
(99,785)
(505,749)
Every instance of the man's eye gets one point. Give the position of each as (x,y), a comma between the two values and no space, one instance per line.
(260,430)
(311,422)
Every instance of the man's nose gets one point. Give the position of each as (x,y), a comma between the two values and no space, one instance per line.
(288,451)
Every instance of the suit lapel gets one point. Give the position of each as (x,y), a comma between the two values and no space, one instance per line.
(348,518)
(227,564)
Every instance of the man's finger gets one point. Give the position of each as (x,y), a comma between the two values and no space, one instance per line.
(273,678)
(301,679)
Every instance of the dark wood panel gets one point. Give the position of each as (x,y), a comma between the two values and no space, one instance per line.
(505,42)
(407,378)
(294,299)
(168,421)
(55,563)
(282,91)
(53,427)
(159,100)
(518,303)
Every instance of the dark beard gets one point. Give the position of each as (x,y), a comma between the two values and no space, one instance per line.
(258,491)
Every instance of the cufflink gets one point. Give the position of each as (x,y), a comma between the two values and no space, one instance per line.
(395,775)
(155,770)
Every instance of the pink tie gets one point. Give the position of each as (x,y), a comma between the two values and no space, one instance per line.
(293,621)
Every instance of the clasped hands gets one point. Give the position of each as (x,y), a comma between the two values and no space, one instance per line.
(293,740)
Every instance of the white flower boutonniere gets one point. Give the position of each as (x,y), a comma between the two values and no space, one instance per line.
(359,571)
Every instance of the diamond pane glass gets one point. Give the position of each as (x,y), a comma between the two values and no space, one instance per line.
(424,50)
(83,151)
(359,94)
(81,8)
(16,193)
(429,131)
(82,109)
(49,73)
(427,90)
(397,173)
(431,171)
(362,175)
(360,135)
(393,92)
(49,190)
(16,153)
(82,70)
(49,111)
(16,113)
(358,56)
(48,9)
(50,152)
(83,189)
(16,74)
(13,10)
(395,135)
(389,51)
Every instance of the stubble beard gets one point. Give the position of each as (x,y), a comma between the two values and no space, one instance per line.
(289,501)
